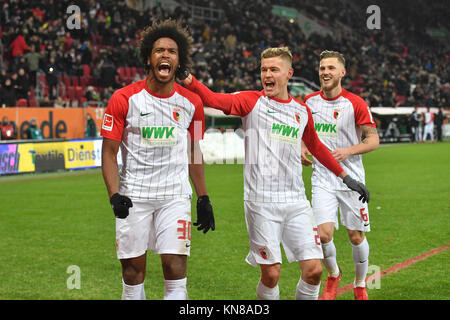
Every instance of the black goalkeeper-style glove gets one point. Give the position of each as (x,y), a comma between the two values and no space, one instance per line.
(120,205)
(358,187)
(182,73)
(205,215)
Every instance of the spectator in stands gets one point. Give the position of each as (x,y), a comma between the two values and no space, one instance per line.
(8,95)
(107,93)
(108,75)
(60,103)
(78,66)
(33,132)
(22,84)
(51,77)
(8,129)
(91,128)
(45,102)
(18,46)
(91,94)
(33,58)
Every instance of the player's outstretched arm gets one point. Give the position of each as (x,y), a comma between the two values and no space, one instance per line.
(205,214)
(238,103)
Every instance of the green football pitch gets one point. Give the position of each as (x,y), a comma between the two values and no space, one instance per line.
(57,238)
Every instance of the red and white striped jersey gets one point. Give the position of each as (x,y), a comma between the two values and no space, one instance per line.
(338,124)
(154,132)
(273,132)
(429,118)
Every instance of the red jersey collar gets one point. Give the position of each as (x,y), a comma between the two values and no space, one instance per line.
(276,99)
(159,95)
(332,99)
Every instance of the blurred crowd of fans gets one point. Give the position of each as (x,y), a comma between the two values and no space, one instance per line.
(397,65)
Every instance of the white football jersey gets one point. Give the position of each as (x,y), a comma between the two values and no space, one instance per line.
(337,123)
(154,132)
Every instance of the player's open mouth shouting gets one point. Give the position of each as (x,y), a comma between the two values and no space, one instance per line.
(164,69)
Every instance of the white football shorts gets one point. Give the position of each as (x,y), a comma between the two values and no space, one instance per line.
(290,224)
(354,214)
(161,226)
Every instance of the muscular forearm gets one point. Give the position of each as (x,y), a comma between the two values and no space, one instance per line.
(197,175)
(110,176)
(368,144)
(197,170)
(110,170)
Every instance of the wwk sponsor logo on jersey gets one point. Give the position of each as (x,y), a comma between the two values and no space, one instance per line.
(159,135)
(326,130)
(284,133)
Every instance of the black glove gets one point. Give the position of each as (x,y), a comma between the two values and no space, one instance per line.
(358,187)
(120,205)
(182,73)
(205,215)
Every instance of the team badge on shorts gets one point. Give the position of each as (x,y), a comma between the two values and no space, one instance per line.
(297,117)
(176,114)
(337,113)
(264,252)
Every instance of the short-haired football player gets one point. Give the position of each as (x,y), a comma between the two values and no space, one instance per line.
(157,124)
(345,126)
(276,208)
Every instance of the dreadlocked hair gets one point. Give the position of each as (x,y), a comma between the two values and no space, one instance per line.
(167,29)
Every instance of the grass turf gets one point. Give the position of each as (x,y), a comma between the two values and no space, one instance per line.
(52,221)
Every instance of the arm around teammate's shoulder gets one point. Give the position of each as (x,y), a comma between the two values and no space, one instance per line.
(238,103)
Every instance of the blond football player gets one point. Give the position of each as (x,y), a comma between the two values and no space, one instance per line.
(345,126)
(276,208)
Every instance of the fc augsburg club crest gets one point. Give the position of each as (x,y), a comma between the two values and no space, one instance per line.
(337,113)
(176,114)
(297,117)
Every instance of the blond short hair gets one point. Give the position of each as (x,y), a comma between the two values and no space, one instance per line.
(332,54)
(282,52)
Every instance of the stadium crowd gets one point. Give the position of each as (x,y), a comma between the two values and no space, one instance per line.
(398,65)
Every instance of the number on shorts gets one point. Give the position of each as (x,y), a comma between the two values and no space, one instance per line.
(185,229)
(364,215)
(316,236)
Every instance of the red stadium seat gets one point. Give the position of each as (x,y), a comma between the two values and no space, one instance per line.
(22,103)
(75,81)
(70,93)
(83,82)
(79,93)
(122,74)
(128,73)
(31,94)
(33,103)
(66,80)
